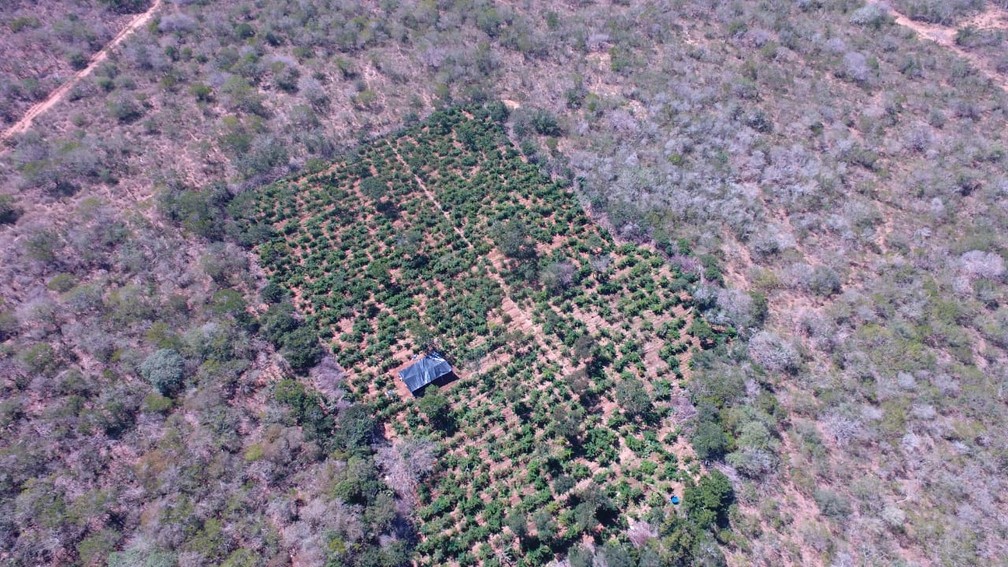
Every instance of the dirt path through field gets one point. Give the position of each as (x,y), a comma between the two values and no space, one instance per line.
(57,95)
(945,37)
(520,317)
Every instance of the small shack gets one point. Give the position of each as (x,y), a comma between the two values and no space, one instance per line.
(424,370)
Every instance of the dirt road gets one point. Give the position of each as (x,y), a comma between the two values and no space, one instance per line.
(945,37)
(57,95)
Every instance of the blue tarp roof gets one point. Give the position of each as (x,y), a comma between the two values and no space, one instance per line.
(425,370)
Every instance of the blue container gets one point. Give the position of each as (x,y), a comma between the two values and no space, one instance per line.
(674,500)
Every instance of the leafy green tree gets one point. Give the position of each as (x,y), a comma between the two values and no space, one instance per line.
(437,409)
(564,484)
(266,154)
(381,513)
(202,92)
(301,349)
(706,504)
(199,212)
(497,111)
(512,237)
(580,556)
(709,440)
(40,358)
(277,322)
(634,398)
(97,545)
(164,370)
(616,555)
(530,150)
(539,121)
(115,412)
(567,422)
(392,552)
(272,293)
(373,187)
(545,526)
(702,330)
(358,481)
(306,407)
(354,429)
(517,522)
(9,212)
(43,246)
(583,518)
(125,109)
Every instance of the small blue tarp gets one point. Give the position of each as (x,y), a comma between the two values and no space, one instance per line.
(674,500)
(424,370)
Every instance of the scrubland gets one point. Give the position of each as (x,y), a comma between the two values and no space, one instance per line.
(830,184)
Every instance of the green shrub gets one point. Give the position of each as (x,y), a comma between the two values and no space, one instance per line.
(126,6)
(227,302)
(62,283)
(78,60)
(200,212)
(824,281)
(354,429)
(437,409)
(201,92)
(43,246)
(272,293)
(41,358)
(832,504)
(9,212)
(277,322)
(125,109)
(8,324)
(633,397)
(156,403)
(358,481)
(241,558)
(23,23)
(709,440)
(938,11)
(244,30)
(545,123)
(97,546)
(706,504)
(301,349)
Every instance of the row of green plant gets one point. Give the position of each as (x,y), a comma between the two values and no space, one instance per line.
(378,269)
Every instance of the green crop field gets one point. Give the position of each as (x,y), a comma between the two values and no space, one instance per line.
(570,349)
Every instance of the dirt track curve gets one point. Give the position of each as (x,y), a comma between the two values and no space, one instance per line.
(945,37)
(57,95)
